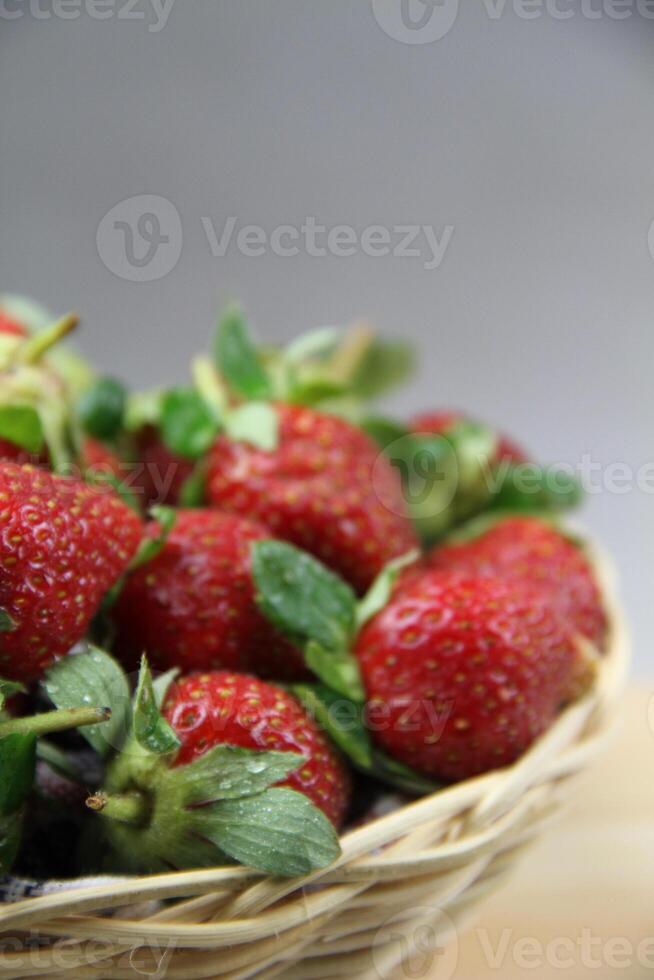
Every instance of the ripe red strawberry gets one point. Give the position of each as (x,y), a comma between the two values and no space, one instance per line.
(100,459)
(222,708)
(193,605)
(62,545)
(16,454)
(159,474)
(531,550)
(441,422)
(317,490)
(8,325)
(462,673)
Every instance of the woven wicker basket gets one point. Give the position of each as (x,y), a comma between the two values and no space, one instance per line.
(414,873)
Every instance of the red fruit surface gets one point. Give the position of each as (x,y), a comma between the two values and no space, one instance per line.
(192,606)
(16,454)
(222,708)
(10,326)
(322,489)
(440,422)
(101,459)
(159,474)
(463,673)
(62,545)
(526,549)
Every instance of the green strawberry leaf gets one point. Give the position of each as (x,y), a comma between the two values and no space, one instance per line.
(193,491)
(10,834)
(17,767)
(314,344)
(384,431)
(301,596)
(256,423)
(101,408)
(400,776)
(237,357)
(21,425)
(161,684)
(143,408)
(314,391)
(380,591)
(278,831)
(7,624)
(188,425)
(94,677)
(345,723)
(529,488)
(17,763)
(151,730)
(384,366)
(7,688)
(149,548)
(337,669)
(341,719)
(227,772)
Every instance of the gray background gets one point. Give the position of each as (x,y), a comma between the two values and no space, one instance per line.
(533,138)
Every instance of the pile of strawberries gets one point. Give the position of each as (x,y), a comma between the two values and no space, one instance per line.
(252,601)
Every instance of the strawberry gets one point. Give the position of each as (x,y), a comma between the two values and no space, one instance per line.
(462,673)
(443,422)
(318,490)
(62,545)
(16,454)
(193,605)
(159,473)
(530,550)
(222,708)
(100,460)
(11,326)
(207,769)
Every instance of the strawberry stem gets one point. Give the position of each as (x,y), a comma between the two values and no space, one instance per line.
(54,721)
(34,349)
(130,808)
(350,354)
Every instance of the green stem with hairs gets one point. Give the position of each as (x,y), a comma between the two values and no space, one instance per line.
(129,808)
(33,349)
(54,721)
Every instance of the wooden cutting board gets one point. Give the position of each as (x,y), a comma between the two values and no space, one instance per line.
(581,902)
